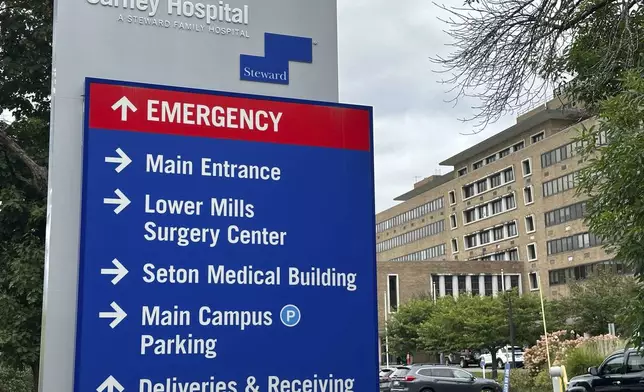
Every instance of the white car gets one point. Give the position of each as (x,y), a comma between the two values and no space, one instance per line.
(503,356)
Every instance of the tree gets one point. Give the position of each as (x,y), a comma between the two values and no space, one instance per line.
(508,53)
(603,298)
(614,180)
(403,326)
(25,84)
(481,323)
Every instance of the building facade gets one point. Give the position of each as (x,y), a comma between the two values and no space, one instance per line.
(509,199)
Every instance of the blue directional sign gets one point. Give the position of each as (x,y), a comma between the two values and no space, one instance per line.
(227,243)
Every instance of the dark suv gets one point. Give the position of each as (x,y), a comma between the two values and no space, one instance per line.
(428,378)
(621,371)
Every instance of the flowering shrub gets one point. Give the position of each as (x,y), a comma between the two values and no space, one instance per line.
(560,343)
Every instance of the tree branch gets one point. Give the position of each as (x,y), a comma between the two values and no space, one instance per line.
(39,173)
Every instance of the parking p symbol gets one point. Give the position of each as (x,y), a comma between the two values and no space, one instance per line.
(290,315)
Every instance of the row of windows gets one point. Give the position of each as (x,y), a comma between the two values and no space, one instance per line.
(412,214)
(560,184)
(567,151)
(492,158)
(411,236)
(565,214)
(494,234)
(491,208)
(450,287)
(507,255)
(581,272)
(573,242)
(425,254)
(490,182)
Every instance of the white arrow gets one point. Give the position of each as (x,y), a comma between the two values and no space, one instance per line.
(110,385)
(121,202)
(124,104)
(123,160)
(118,315)
(119,272)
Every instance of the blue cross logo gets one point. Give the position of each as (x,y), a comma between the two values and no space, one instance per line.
(279,51)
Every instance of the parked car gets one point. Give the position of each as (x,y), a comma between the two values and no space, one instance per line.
(503,356)
(427,378)
(622,371)
(398,373)
(464,358)
(385,380)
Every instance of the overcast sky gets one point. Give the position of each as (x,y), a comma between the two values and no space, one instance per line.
(384,62)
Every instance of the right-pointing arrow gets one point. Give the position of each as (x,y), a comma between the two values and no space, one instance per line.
(118,315)
(122,201)
(109,385)
(124,104)
(123,160)
(119,272)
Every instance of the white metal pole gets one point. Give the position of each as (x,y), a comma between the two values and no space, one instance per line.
(386,331)
(502,282)
(434,292)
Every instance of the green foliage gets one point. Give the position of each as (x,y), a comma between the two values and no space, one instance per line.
(579,359)
(481,323)
(22,240)
(601,299)
(403,326)
(12,380)
(521,380)
(614,180)
(25,62)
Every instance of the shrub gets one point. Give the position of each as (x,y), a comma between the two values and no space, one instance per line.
(590,353)
(15,381)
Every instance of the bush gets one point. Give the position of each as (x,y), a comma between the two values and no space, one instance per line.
(12,380)
(590,353)
(521,380)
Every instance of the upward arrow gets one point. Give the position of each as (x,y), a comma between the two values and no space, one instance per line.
(109,385)
(124,104)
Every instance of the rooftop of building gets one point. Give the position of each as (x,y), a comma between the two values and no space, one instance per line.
(555,108)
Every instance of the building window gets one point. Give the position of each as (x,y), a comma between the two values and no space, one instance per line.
(469,215)
(497,206)
(513,254)
(528,196)
(519,146)
(512,229)
(530,226)
(425,254)
(565,214)
(532,252)
(410,215)
(504,153)
(462,172)
(581,272)
(477,165)
(534,281)
(514,281)
(572,243)
(454,245)
(394,294)
(560,184)
(462,288)
(411,236)
(487,280)
(452,221)
(490,235)
(538,137)
(526,164)
(475,286)
(448,286)
(568,151)
(470,241)
(497,232)
(510,203)
(490,159)
(452,198)
(489,182)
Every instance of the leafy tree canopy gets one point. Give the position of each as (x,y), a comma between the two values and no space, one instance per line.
(403,326)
